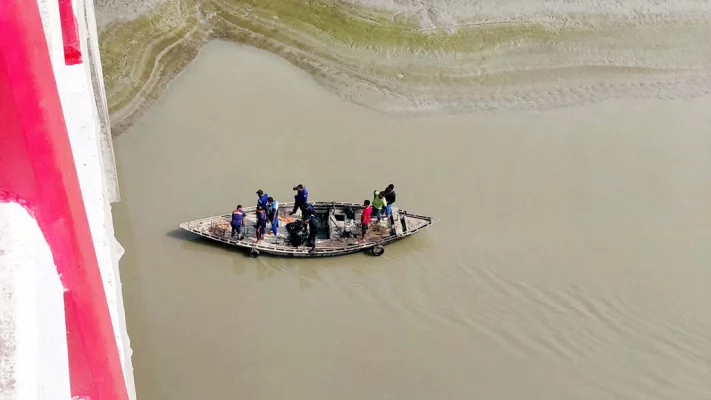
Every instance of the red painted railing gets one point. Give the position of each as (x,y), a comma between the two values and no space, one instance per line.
(70,33)
(37,170)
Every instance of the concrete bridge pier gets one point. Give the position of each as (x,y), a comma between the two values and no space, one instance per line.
(62,326)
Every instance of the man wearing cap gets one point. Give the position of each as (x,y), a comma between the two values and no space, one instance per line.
(262,199)
(300,199)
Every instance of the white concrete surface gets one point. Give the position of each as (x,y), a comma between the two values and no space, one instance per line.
(90,42)
(94,162)
(33,341)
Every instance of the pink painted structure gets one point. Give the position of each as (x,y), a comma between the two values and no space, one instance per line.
(38,172)
(70,33)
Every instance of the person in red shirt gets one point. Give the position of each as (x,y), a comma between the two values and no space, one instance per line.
(365,217)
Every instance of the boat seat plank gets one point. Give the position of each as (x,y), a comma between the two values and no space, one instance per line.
(395,221)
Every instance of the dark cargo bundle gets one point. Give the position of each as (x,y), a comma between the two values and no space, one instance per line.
(297,235)
(295,226)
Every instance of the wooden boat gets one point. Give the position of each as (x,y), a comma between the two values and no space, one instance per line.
(337,234)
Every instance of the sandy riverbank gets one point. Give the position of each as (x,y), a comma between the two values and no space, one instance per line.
(438,57)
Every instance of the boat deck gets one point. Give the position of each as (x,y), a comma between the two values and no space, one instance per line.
(222,228)
(336,234)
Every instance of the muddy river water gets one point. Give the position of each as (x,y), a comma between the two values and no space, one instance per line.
(571,260)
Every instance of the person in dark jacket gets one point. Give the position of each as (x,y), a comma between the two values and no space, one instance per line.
(262,199)
(311,222)
(261,223)
(301,197)
(306,210)
(238,217)
(390,198)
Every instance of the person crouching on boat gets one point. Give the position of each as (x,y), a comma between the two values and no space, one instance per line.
(311,222)
(273,214)
(379,204)
(301,198)
(237,221)
(261,223)
(306,210)
(365,218)
(262,199)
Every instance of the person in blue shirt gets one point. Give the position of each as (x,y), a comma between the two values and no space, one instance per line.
(301,197)
(273,214)
(237,221)
(261,223)
(262,199)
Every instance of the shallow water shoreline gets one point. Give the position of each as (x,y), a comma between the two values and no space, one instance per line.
(389,62)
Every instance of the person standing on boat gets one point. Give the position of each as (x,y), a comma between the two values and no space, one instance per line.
(307,210)
(379,203)
(273,214)
(365,218)
(301,197)
(311,223)
(261,223)
(262,199)
(390,198)
(237,221)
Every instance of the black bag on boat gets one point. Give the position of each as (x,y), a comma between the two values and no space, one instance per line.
(297,235)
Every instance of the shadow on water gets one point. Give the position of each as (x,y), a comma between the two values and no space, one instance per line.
(205,245)
(307,270)
(415,244)
(202,244)
(182,234)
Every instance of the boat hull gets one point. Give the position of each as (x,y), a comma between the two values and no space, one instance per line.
(335,230)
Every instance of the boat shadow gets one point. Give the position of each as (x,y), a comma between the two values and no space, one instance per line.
(307,273)
(192,242)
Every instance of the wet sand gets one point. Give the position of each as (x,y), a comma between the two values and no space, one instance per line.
(571,260)
(422,57)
